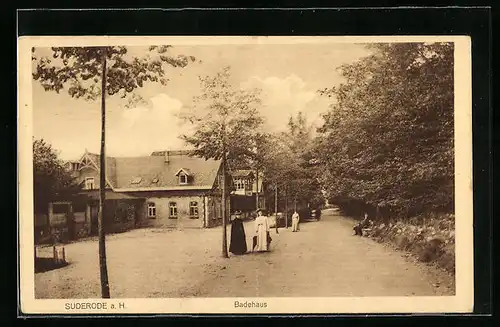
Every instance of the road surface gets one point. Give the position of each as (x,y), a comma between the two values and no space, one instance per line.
(323,259)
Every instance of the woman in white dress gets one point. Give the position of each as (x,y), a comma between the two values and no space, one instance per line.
(262,230)
(295,221)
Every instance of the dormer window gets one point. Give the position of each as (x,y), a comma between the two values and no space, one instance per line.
(155,180)
(137,180)
(183,175)
(182,179)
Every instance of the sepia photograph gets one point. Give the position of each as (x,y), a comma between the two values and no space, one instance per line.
(245,174)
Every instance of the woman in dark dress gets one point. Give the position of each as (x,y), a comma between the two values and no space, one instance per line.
(238,244)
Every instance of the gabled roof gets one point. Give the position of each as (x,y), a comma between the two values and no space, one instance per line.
(139,173)
(172,153)
(242,173)
(184,170)
(95,160)
(110,195)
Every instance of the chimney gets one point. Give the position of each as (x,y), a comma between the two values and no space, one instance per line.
(167,156)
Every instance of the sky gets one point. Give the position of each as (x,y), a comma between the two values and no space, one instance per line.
(289,76)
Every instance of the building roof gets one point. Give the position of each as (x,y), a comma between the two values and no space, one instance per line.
(155,173)
(184,170)
(110,166)
(242,173)
(94,195)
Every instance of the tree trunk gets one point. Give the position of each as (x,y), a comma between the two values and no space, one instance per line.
(275,199)
(257,189)
(102,188)
(276,206)
(224,222)
(286,208)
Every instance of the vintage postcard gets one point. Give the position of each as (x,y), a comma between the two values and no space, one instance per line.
(245,175)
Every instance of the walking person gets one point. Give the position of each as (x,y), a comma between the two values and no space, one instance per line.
(295,221)
(238,243)
(262,231)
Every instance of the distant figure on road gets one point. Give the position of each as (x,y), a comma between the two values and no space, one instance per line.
(295,221)
(262,231)
(238,245)
(358,228)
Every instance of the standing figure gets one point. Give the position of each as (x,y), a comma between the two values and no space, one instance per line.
(238,241)
(262,231)
(295,221)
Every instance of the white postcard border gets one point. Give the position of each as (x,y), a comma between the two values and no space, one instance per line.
(460,303)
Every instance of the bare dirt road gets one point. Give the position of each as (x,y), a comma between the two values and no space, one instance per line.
(323,259)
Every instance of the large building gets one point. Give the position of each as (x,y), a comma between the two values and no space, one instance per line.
(164,189)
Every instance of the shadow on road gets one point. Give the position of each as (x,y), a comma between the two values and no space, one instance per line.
(47,264)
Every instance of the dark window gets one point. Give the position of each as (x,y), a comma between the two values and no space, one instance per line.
(151,210)
(182,179)
(58,208)
(79,207)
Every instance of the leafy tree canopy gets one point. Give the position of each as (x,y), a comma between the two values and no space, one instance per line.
(224,119)
(388,138)
(50,178)
(80,69)
(286,163)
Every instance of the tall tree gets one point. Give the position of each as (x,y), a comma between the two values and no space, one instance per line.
(93,72)
(225,121)
(388,139)
(303,186)
(50,178)
(287,166)
(261,146)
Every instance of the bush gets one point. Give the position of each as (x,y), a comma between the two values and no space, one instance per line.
(430,238)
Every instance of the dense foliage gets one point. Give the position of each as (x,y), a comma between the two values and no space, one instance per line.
(388,139)
(79,69)
(50,179)
(288,166)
